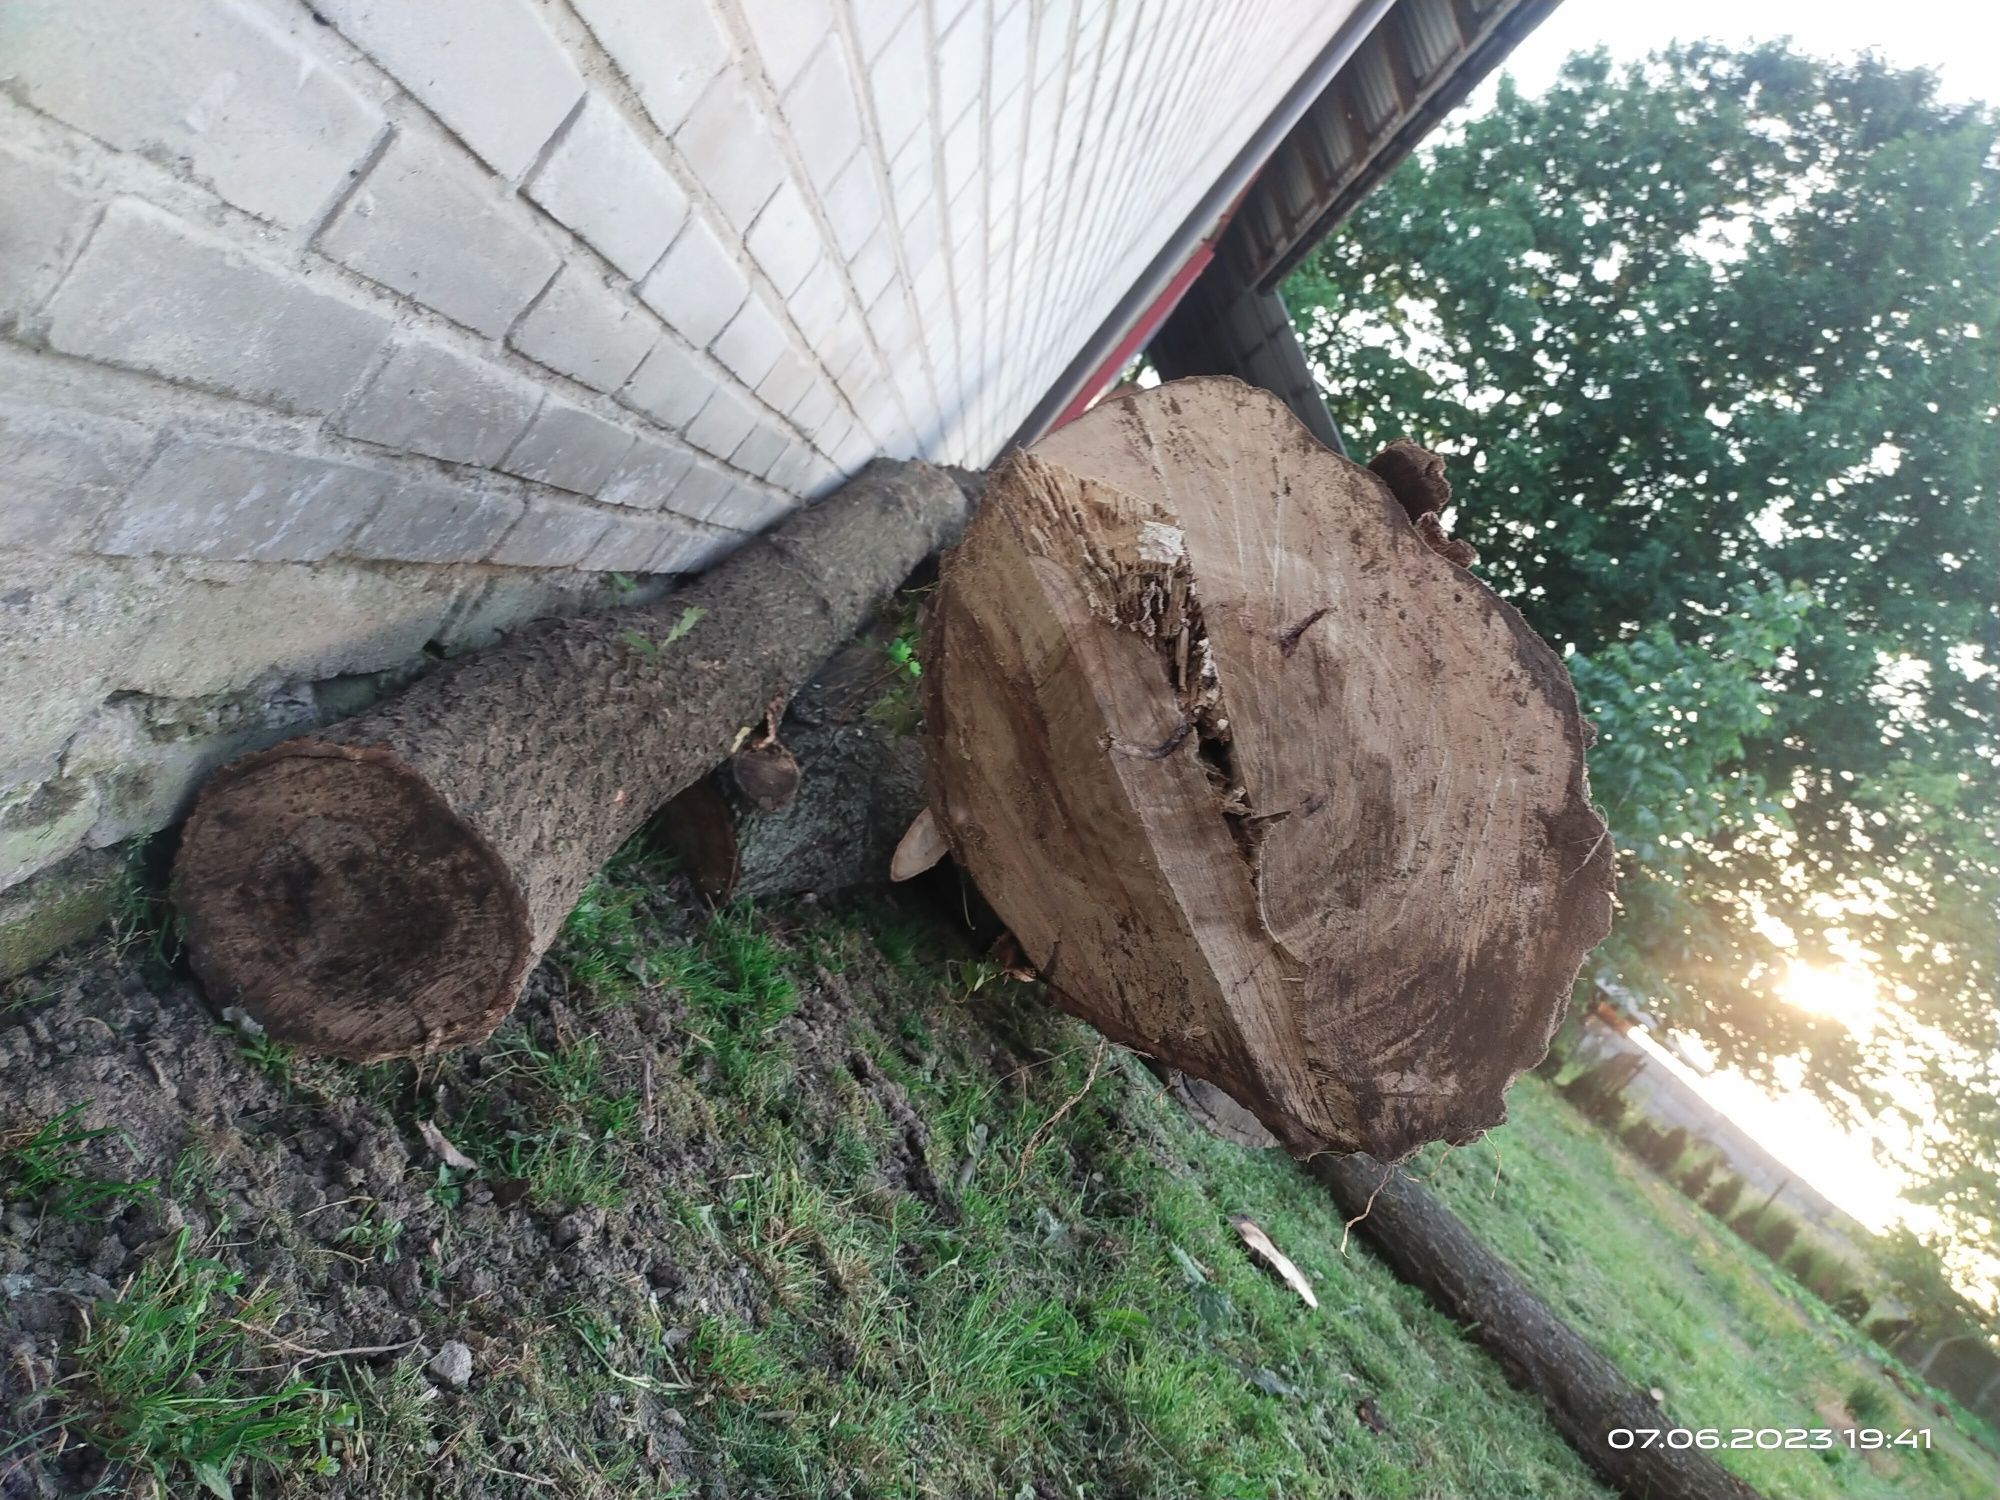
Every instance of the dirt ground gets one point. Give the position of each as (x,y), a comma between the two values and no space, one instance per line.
(780,1202)
(289,1172)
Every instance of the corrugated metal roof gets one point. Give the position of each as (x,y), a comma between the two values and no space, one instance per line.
(1422,58)
(1419,62)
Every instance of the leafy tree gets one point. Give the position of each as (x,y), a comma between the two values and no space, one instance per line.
(1713,346)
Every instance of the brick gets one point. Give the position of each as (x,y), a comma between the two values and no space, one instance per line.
(699,548)
(790,471)
(785,241)
(1007,65)
(44,223)
(426,223)
(583,329)
(149,294)
(723,423)
(823,114)
(488,68)
(1052,36)
(900,80)
(853,205)
(668,50)
(671,386)
(730,147)
(756,453)
(432,400)
(702,488)
(203,498)
(605,183)
(59,472)
(569,448)
(962,154)
(697,286)
(647,476)
(436,523)
(786,32)
(786,385)
(751,507)
(813,412)
(874,268)
(551,534)
(961,63)
(211,88)
(630,543)
(818,301)
(879,22)
(749,347)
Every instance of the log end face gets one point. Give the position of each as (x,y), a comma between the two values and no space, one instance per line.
(336,899)
(1292,804)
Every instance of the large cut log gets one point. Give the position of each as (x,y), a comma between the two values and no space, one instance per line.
(382,889)
(1588,1399)
(1267,785)
(857,785)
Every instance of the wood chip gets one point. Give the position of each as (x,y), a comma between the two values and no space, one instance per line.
(1261,1247)
(922,846)
(443,1149)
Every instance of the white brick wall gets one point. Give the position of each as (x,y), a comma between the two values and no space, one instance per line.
(368,315)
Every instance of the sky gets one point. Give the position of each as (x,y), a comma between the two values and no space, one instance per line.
(1960,39)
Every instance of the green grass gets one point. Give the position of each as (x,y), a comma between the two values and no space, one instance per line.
(1035,1319)
(928,1238)
(1681,1303)
(48,1165)
(162,1387)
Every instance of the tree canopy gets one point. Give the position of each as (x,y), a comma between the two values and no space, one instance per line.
(1713,345)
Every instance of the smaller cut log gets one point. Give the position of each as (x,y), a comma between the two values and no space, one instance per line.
(860,784)
(1587,1397)
(382,889)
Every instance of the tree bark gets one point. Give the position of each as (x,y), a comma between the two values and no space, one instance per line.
(1426,1245)
(860,784)
(1267,785)
(382,889)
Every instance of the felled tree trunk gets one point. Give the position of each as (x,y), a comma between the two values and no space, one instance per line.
(859,784)
(1267,785)
(383,888)
(1586,1396)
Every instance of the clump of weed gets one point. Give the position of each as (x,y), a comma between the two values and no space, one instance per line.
(160,1391)
(48,1165)
(549,1120)
(737,991)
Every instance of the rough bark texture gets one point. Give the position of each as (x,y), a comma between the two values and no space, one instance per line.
(382,889)
(1266,787)
(1427,1246)
(861,783)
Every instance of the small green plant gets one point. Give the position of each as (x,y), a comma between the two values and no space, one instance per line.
(161,1387)
(272,1058)
(736,990)
(650,650)
(47,1165)
(373,1236)
(1870,1406)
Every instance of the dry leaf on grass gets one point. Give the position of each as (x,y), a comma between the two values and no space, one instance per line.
(443,1149)
(1261,1246)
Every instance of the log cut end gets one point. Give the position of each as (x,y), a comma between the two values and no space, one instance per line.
(1266,783)
(339,902)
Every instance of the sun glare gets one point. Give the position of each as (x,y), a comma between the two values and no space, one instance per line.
(1845,994)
